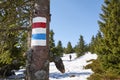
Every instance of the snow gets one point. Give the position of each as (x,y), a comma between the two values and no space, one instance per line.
(19,74)
(74,68)
(21,71)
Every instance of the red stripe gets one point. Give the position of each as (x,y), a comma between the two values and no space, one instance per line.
(39,25)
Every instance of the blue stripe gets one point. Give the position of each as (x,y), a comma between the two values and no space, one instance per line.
(38,36)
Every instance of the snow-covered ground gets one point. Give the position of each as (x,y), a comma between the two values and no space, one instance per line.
(74,68)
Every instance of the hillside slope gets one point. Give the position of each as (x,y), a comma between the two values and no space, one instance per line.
(74,68)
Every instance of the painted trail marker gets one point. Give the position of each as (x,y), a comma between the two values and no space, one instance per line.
(39,31)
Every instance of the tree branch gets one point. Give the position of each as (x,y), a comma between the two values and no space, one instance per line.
(16,29)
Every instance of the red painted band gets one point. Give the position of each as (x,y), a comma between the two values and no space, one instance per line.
(39,25)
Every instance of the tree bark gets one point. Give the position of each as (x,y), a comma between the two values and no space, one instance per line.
(38,56)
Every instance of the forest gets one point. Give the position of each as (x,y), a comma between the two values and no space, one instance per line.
(15,26)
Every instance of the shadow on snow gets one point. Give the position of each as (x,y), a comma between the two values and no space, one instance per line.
(68,74)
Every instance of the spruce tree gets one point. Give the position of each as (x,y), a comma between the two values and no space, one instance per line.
(52,45)
(108,48)
(69,48)
(110,28)
(60,48)
(80,47)
(97,42)
(13,15)
(91,45)
(53,49)
(51,40)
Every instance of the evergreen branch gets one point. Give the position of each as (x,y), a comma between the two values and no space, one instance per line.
(16,29)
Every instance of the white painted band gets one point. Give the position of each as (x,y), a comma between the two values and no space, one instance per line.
(38,42)
(38,30)
(39,19)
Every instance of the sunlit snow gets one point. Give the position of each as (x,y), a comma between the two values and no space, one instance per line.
(74,68)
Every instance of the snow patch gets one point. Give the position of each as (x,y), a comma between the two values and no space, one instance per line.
(74,68)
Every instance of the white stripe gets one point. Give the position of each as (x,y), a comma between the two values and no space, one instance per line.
(38,43)
(38,30)
(39,19)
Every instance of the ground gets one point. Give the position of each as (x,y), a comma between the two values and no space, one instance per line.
(74,68)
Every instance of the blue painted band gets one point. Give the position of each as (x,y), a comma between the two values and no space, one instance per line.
(38,36)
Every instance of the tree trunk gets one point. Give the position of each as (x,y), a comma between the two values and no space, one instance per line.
(38,55)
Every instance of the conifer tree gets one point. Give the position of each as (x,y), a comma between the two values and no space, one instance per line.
(13,15)
(108,48)
(60,48)
(80,48)
(110,27)
(55,53)
(51,40)
(91,45)
(53,49)
(69,48)
(95,42)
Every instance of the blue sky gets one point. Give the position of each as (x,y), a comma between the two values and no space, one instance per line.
(72,18)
